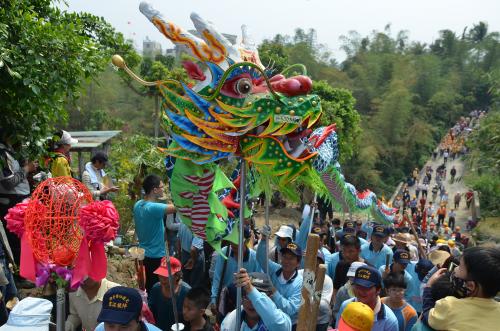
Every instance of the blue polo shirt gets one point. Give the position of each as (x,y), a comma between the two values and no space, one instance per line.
(288,295)
(149,227)
(413,289)
(302,236)
(385,320)
(363,241)
(376,259)
(249,263)
(303,233)
(331,264)
(271,318)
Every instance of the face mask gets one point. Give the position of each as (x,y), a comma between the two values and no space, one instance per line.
(459,286)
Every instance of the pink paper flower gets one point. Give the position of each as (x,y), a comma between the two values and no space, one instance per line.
(15,218)
(99,221)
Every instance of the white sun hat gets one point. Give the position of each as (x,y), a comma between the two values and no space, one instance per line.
(30,314)
(67,139)
(285,232)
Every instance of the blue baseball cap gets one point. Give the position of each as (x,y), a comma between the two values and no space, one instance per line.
(349,224)
(350,231)
(120,305)
(317,230)
(292,248)
(401,256)
(367,276)
(380,231)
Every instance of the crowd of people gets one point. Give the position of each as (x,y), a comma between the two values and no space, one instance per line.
(415,274)
(388,269)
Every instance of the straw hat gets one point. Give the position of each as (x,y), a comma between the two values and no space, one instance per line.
(402,238)
(438,257)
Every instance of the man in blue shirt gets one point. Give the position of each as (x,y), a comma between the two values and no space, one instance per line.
(367,284)
(121,310)
(227,265)
(259,312)
(350,248)
(285,277)
(375,253)
(149,227)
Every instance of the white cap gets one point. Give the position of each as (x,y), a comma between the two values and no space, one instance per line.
(285,232)
(354,266)
(30,314)
(67,139)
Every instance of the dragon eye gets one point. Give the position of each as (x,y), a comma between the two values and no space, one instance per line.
(243,86)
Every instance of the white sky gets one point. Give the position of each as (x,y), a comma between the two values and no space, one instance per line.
(330,18)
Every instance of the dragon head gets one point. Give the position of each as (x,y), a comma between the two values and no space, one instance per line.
(236,107)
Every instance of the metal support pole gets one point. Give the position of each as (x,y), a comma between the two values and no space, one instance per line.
(240,240)
(266,266)
(171,284)
(60,309)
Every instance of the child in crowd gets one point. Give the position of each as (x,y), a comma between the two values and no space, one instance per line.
(395,286)
(193,310)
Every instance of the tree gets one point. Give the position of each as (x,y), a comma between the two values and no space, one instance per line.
(338,107)
(478,32)
(45,55)
(273,54)
(484,163)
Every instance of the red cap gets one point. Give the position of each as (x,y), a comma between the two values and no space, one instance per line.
(175,267)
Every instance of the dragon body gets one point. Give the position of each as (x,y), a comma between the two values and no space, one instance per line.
(237,107)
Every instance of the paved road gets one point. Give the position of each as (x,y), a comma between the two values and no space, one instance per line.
(458,186)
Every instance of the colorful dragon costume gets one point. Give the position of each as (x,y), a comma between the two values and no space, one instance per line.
(237,107)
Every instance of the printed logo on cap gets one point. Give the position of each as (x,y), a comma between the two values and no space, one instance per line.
(118,301)
(404,255)
(363,274)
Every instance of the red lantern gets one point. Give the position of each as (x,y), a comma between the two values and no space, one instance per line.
(51,220)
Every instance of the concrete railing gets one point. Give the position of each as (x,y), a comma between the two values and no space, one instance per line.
(475,207)
(396,192)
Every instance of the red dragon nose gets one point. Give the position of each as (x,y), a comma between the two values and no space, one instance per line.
(297,85)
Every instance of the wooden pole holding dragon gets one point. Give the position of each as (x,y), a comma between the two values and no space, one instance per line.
(305,321)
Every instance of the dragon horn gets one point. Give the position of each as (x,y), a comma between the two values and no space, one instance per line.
(120,63)
(217,42)
(195,46)
(248,49)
